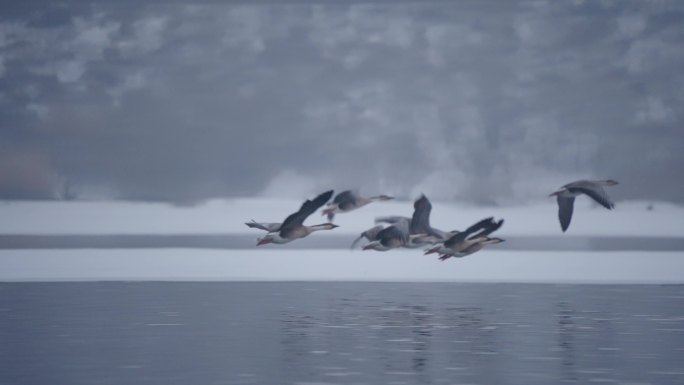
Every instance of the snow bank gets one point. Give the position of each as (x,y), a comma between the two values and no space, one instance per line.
(228,216)
(340,265)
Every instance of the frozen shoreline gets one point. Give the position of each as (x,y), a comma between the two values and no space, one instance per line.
(340,265)
(228,217)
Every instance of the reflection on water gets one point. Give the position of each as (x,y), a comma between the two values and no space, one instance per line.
(340,333)
(566,341)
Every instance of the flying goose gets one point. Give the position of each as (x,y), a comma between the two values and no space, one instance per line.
(420,221)
(461,241)
(566,197)
(419,229)
(370,235)
(391,237)
(269,227)
(349,200)
(477,245)
(293,226)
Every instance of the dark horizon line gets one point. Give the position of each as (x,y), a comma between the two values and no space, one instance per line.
(338,242)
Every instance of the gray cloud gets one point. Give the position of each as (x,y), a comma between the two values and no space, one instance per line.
(486,102)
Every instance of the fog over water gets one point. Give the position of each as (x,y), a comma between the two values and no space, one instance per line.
(488,102)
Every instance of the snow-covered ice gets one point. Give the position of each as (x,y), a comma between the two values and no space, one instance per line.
(339,265)
(228,216)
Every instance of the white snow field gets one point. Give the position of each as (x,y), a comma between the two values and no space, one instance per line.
(229,216)
(272,263)
(339,265)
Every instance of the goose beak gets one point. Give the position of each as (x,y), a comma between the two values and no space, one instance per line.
(430,251)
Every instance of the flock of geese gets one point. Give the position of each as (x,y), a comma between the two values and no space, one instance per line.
(393,232)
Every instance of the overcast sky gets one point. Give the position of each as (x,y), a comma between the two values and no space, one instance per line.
(490,102)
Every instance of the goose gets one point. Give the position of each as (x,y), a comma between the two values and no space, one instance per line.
(349,200)
(269,227)
(461,241)
(392,237)
(293,226)
(392,219)
(370,235)
(567,194)
(375,234)
(420,231)
(477,245)
(420,221)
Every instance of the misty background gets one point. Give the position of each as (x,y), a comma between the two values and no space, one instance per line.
(492,102)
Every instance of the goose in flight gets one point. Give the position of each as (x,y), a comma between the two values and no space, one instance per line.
(269,227)
(349,200)
(384,222)
(293,226)
(395,232)
(566,197)
(420,221)
(370,235)
(471,237)
(391,237)
(477,245)
(420,231)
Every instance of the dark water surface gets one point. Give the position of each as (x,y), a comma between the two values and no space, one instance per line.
(339,333)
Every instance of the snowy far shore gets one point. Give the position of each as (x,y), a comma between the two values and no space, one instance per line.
(225,217)
(228,217)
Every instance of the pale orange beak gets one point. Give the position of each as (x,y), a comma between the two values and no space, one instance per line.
(432,250)
(263,241)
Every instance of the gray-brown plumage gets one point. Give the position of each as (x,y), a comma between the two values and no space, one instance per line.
(390,237)
(420,233)
(370,235)
(349,200)
(567,194)
(270,227)
(419,224)
(420,221)
(293,226)
(474,234)
(480,229)
(474,246)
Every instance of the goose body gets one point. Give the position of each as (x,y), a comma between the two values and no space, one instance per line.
(415,231)
(420,222)
(293,226)
(269,227)
(370,235)
(472,247)
(349,200)
(388,238)
(565,197)
(460,242)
